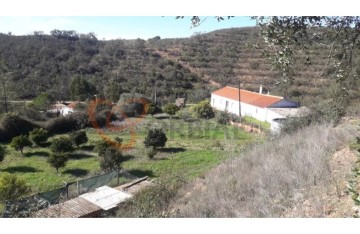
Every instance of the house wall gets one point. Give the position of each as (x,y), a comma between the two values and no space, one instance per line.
(219,103)
(262,114)
(66,111)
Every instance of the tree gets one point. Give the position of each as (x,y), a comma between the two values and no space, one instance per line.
(58,160)
(78,138)
(20,142)
(111,158)
(11,187)
(81,89)
(39,135)
(155,138)
(43,101)
(170,109)
(62,145)
(203,110)
(2,152)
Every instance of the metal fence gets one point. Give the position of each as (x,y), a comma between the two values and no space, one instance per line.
(25,206)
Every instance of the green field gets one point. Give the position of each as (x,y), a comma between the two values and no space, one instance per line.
(191,150)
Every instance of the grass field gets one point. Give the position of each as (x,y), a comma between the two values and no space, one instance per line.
(191,150)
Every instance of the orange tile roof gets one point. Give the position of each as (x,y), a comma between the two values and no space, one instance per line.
(73,104)
(248,97)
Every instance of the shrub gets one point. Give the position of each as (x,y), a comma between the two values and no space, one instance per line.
(11,187)
(20,142)
(78,138)
(155,138)
(2,152)
(203,110)
(222,117)
(64,124)
(170,109)
(13,125)
(61,145)
(39,135)
(58,160)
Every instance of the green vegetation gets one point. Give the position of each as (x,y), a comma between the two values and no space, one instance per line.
(256,123)
(12,187)
(155,138)
(203,110)
(58,160)
(187,153)
(20,142)
(2,152)
(81,89)
(78,138)
(111,158)
(222,117)
(62,144)
(39,136)
(42,102)
(170,109)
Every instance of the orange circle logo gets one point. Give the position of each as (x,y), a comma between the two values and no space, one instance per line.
(126,124)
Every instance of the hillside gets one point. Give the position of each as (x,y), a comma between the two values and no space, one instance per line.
(172,68)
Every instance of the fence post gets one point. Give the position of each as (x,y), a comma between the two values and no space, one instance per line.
(118,177)
(77,186)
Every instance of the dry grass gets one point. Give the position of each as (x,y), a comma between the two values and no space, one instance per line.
(269,179)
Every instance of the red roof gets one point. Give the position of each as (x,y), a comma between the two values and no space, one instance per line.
(72,105)
(248,97)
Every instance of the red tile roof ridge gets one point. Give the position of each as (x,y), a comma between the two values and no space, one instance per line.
(249,97)
(268,95)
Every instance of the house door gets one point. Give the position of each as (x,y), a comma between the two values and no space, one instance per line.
(226,105)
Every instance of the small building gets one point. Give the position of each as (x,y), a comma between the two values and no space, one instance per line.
(180,102)
(63,108)
(263,107)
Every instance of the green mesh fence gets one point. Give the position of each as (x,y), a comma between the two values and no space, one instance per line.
(92,183)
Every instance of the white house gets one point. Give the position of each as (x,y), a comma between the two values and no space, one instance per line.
(263,107)
(62,108)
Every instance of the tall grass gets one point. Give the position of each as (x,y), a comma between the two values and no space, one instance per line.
(270,178)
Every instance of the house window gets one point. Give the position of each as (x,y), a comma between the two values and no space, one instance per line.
(226,105)
(213,102)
